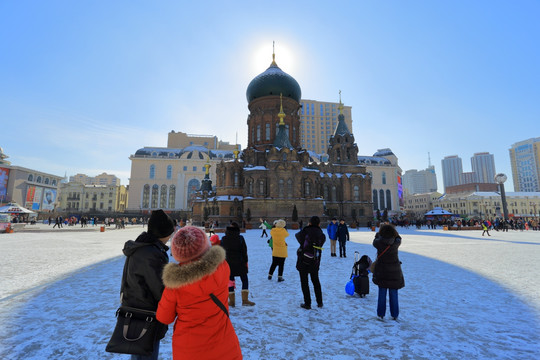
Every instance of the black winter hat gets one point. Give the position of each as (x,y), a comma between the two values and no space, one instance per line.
(160,224)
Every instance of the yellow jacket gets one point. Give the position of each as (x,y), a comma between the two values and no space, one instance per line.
(280,246)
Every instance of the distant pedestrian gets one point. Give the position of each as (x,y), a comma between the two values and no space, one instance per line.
(387,273)
(311,239)
(331,230)
(279,249)
(264,226)
(343,237)
(485,227)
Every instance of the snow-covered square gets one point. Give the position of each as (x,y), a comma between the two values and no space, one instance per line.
(466,297)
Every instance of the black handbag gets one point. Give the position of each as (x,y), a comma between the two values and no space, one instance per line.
(135,332)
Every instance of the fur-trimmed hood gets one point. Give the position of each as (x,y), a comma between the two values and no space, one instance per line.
(178,275)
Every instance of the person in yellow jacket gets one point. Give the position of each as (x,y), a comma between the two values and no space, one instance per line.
(279,250)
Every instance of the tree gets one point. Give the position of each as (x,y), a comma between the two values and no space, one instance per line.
(294,214)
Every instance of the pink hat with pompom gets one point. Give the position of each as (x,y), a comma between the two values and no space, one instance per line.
(189,243)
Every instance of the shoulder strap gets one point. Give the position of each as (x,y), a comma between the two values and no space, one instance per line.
(388,247)
(219,304)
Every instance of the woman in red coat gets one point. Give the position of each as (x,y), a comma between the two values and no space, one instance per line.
(203,329)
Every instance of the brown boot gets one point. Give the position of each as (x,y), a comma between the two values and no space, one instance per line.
(245,301)
(232,299)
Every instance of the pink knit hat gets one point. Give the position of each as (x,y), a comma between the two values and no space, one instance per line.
(188,244)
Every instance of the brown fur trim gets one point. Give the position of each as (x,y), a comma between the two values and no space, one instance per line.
(175,275)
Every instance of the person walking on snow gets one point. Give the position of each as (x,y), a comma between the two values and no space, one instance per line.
(331,230)
(387,274)
(195,296)
(264,226)
(485,227)
(343,237)
(237,258)
(279,248)
(311,239)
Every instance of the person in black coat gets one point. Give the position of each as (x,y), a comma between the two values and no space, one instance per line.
(145,258)
(343,237)
(387,274)
(237,258)
(311,239)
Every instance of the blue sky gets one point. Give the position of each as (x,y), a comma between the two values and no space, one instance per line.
(84,84)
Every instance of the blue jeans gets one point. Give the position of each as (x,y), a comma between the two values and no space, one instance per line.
(154,355)
(245,282)
(381,304)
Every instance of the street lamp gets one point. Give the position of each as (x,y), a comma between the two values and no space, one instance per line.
(500,179)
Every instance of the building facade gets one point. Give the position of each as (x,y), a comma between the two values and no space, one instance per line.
(75,197)
(416,205)
(102,179)
(525,162)
(318,120)
(452,168)
(275,177)
(168,177)
(420,182)
(483,166)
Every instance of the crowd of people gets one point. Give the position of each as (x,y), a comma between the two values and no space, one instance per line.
(196,291)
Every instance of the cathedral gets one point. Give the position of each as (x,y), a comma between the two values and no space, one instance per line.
(274,177)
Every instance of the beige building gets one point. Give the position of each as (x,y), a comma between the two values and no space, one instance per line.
(32,189)
(416,205)
(102,179)
(525,162)
(386,181)
(168,177)
(318,121)
(80,198)
(489,204)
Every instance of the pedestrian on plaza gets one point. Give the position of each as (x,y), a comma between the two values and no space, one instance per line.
(264,226)
(237,258)
(142,286)
(387,273)
(279,249)
(311,239)
(343,237)
(331,230)
(485,227)
(195,296)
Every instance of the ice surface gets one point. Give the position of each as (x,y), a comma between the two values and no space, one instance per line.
(466,297)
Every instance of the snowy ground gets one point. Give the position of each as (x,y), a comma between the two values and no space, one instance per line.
(466,297)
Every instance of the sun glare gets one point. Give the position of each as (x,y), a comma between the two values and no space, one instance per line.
(262,58)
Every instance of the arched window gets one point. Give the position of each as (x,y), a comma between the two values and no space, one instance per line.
(30,177)
(163,197)
(333,194)
(284,156)
(47,181)
(38,179)
(384,178)
(53,183)
(258,132)
(267,132)
(169,172)
(193,186)
(239,212)
(388,200)
(231,211)
(325,192)
(172,197)
(356,193)
(236,179)
(381,199)
(348,154)
(146,196)
(155,193)
(289,189)
(152,174)
(338,155)
(261,187)
(308,188)
(281,185)
(375,200)
(250,187)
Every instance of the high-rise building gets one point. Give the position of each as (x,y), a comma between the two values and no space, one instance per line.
(483,165)
(452,168)
(525,161)
(420,182)
(318,121)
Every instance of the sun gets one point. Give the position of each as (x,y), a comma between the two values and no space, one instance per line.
(262,57)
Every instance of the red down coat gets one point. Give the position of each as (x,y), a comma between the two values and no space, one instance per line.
(202,330)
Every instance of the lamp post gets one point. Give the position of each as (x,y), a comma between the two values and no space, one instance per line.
(500,179)
(533,204)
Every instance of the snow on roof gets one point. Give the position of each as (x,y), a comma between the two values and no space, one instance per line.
(255,168)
